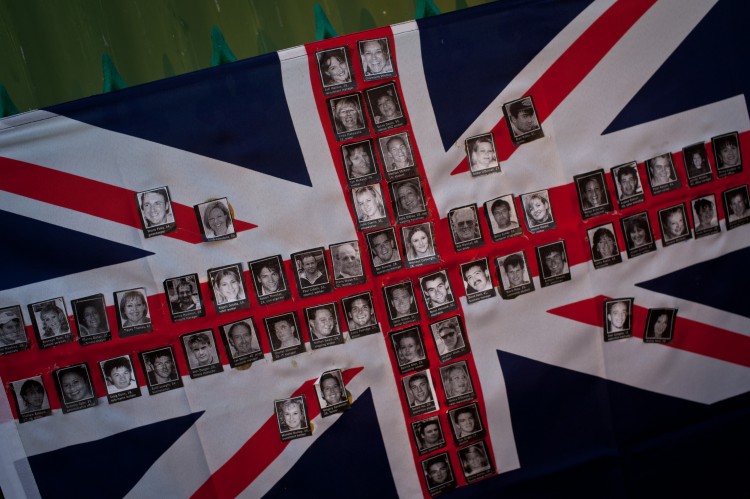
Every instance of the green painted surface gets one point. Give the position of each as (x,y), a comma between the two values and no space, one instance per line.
(51,51)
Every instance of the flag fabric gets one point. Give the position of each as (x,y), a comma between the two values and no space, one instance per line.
(562,411)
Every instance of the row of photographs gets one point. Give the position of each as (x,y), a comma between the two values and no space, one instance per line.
(475,463)
(215,217)
(337,71)
(313,277)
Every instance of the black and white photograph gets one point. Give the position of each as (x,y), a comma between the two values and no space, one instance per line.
(370,207)
(12,330)
(375,55)
(384,251)
(31,399)
(119,378)
(673,222)
(408,200)
(593,195)
(398,156)
(603,244)
(438,474)
(331,392)
(74,388)
(437,293)
(360,315)
(347,264)
(419,245)
(347,116)
(408,349)
(538,211)
(552,261)
(50,321)
(335,68)
(291,416)
(184,297)
(522,120)
(662,176)
(660,323)
(457,384)
(697,167)
(727,154)
(502,218)
(385,107)
(311,272)
(628,184)
(201,353)
(466,230)
(401,303)
(420,393)
(482,155)
(476,462)
(513,275)
(428,434)
(705,216)
(639,238)
(160,370)
(323,325)
(284,335)
(133,318)
(241,342)
(216,220)
(90,314)
(477,280)
(466,423)
(450,340)
(228,288)
(618,315)
(269,279)
(736,206)
(359,163)
(155,210)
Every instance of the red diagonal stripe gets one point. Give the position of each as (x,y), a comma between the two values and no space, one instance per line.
(689,335)
(92,197)
(258,452)
(571,68)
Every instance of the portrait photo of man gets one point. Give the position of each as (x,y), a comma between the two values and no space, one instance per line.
(311,270)
(420,393)
(514,275)
(553,263)
(360,315)
(118,374)
(269,279)
(384,251)
(160,369)
(465,228)
(242,339)
(617,318)
(428,434)
(437,293)
(284,335)
(627,184)
(323,326)
(201,353)
(522,120)
(30,396)
(155,209)
(662,176)
(401,304)
(736,206)
(347,264)
(502,218)
(477,280)
(331,392)
(438,473)
(466,423)
(185,300)
(449,340)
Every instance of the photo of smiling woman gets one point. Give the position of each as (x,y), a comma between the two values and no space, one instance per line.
(538,211)
(215,220)
(335,70)
(133,314)
(638,236)
(228,288)
(50,320)
(660,324)
(74,387)
(91,319)
(31,399)
(291,416)
(419,244)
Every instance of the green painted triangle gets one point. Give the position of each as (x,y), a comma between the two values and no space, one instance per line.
(323,27)
(112,79)
(7,107)
(220,51)
(426,8)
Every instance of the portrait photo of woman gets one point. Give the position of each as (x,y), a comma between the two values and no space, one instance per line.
(216,220)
